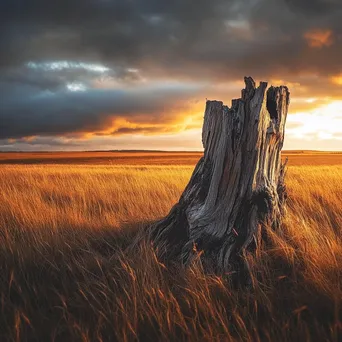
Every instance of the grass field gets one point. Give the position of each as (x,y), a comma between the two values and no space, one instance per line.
(68,272)
(150,158)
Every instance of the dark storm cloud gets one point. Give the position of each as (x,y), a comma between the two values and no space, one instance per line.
(316,7)
(186,37)
(197,40)
(49,113)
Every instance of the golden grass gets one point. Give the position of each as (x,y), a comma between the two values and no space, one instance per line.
(68,272)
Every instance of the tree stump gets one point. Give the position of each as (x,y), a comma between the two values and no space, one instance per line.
(237,186)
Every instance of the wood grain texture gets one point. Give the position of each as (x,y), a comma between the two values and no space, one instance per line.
(236,186)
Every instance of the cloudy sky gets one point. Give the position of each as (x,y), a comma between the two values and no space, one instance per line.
(135,74)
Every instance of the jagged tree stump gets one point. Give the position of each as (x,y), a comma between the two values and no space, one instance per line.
(237,186)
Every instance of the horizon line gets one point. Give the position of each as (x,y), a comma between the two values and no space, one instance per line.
(148,150)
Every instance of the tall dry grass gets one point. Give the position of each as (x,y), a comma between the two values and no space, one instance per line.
(67,274)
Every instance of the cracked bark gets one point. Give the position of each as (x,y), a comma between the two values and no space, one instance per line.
(237,186)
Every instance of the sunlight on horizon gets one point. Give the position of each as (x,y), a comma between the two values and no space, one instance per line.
(324,122)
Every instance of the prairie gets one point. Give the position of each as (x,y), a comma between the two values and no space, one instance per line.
(68,272)
(150,158)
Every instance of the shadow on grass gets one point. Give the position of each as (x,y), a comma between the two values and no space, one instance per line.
(87,285)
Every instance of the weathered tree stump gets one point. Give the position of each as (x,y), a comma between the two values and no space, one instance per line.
(237,186)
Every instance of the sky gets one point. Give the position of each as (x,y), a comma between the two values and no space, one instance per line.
(135,74)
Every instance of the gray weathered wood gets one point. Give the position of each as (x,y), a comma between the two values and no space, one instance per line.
(237,185)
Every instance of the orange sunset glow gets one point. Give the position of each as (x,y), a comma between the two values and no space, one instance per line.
(171,170)
(319,38)
(142,83)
